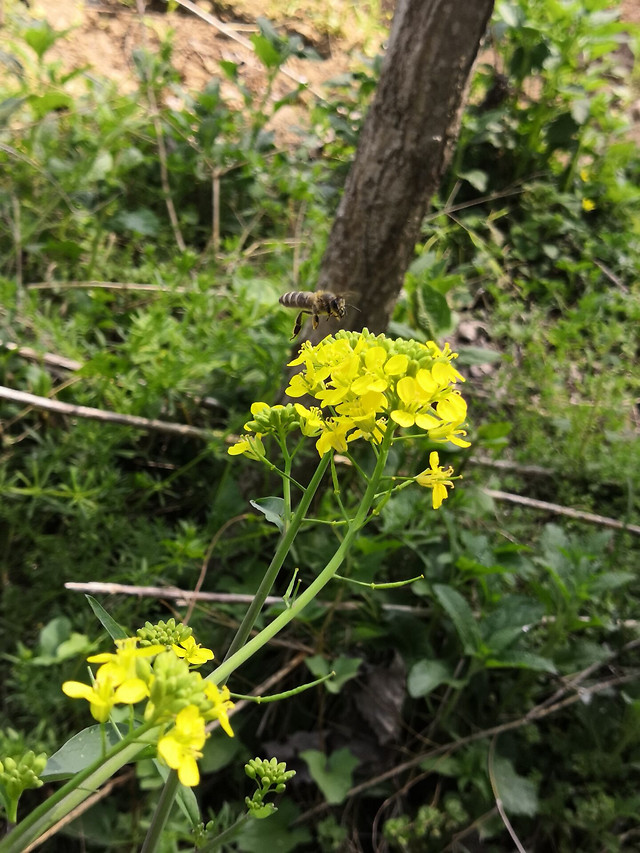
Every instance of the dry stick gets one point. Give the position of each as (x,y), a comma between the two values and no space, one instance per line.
(498,800)
(104,285)
(205,563)
(230,34)
(49,358)
(506,465)
(182,596)
(90,801)
(563,510)
(162,151)
(107,417)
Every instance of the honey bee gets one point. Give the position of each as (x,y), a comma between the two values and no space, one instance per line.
(319,303)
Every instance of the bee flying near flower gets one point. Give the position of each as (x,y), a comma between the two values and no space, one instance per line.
(321,303)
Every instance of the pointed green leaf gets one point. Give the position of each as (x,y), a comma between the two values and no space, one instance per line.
(272,508)
(461,616)
(108,623)
(518,794)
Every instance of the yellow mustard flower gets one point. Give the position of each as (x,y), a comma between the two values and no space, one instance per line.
(101,696)
(588,205)
(250,446)
(221,704)
(193,652)
(181,747)
(437,479)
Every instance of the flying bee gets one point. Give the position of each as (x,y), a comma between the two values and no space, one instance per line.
(319,303)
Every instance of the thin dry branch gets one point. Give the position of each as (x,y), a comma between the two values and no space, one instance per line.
(49,358)
(135,421)
(184,596)
(556,509)
(104,285)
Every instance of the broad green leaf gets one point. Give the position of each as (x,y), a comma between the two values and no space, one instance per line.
(142,221)
(518,794)
(266,52)
(81,750)
(426,675)
(477,355)
(273,510)
(333,774)
(43,104)
(345,669)
(108,623)
(461,616)
(477,178)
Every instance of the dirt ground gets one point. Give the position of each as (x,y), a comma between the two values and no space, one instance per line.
(104,33)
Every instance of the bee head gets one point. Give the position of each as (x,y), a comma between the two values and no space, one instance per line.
(338,306)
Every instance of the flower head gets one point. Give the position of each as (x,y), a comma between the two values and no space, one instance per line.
(363,381)
(182,746)
(193,652)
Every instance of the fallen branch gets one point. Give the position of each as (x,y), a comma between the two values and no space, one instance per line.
(590,517)
(104,285)
(49,358)
(134,421)
(185,596)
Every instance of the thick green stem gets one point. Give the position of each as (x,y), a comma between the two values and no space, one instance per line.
(233,661)
(161,813)
(77,789)
(279,557)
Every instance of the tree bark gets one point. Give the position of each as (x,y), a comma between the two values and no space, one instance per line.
(404,147)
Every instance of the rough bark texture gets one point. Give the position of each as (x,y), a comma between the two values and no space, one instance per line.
(403,150)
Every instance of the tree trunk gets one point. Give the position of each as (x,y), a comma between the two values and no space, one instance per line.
(403,150)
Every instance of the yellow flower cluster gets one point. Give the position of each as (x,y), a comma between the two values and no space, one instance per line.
(178,699)
(371,383)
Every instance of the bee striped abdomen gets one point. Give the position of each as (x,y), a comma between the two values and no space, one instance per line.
(297,299)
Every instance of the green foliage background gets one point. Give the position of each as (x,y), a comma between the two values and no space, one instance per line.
(510,670)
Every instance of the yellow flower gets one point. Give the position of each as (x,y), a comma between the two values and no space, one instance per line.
(437,479)
(221,705)
(101,697)
(588,205)
(128,669)
(182,746)
(193,652)
(249,445)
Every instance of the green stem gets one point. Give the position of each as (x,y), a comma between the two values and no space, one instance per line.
(77,789)
(161,813)
(244,652)
(225,836)
(279,557)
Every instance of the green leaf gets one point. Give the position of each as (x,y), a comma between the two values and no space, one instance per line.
(437,308)
(345,669)
(461,616)
(142,222)
(477,178)
(108,623)
(82,750)
(477,355)
(266,52)
(274,834)
(426,675)
(273,510)
(40,36)
(518,794)
(51,101)
(333,774)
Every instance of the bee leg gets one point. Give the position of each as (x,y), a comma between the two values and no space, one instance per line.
(297,326)
(315,320)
